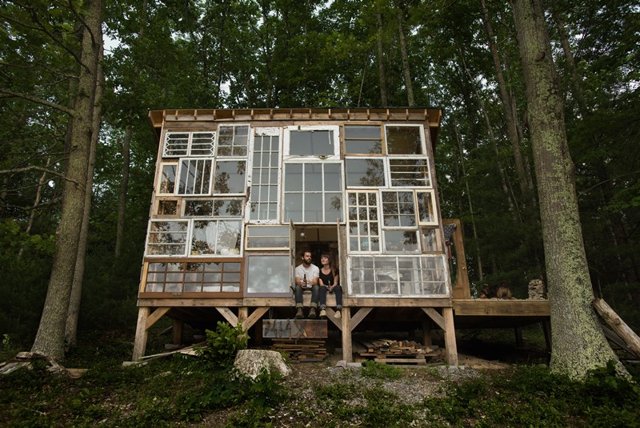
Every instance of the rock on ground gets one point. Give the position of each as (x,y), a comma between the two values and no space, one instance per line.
(251,362)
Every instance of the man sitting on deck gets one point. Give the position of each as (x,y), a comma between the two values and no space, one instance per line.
(306,278)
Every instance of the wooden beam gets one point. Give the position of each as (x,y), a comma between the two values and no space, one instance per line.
(243,313)
(359,316)
(178,327)
(347,346)
(616,323)
(140,342)
(501,307)
(436,317)
(450,337)
(155,316)
(331,316)
(253,318)
(228,315)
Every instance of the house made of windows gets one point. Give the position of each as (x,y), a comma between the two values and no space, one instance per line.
(240,193)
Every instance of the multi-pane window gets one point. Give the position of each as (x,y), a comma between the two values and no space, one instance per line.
(320,141)
(313,192)
(362,139)
(227,207)
(398,276)
(363,226)
(264,175)
(365,172)
(216,237)
(233,140)
(167,182)
(400,228)
(194,277)
(167,238)
(180,144)
(409,172)
(195,177)
(404,140)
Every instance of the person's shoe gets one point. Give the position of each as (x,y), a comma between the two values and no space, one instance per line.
(323,313)
(312,313)
(338,313)
(299,313)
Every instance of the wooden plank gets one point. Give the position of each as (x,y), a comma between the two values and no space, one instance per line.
(177,332)
(347,346)
(229,316)
(359,316)
(253,318)
(435,316)
(451,349)
(140,342)
(331,316)
(294,328)
(497,307)
(387,360)
(155,316)
(616,323)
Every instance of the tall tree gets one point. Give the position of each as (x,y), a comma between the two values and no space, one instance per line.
(578,343)
(49,339)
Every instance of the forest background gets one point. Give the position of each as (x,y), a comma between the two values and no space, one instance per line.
(461,56)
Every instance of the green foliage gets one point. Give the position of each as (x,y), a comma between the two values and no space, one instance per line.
(376,370)
(223,344)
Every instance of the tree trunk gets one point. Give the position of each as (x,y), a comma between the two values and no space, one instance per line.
(49,339)
(509,110)
(382,77)
(406,71)
(124,185)
(579,344)
(71,328)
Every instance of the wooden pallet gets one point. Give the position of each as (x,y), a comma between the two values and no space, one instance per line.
(301,350)
(389,351)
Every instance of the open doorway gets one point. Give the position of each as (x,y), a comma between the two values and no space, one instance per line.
(318,240)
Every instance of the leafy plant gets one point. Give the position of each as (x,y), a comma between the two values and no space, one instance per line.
(223,344)
(376,370)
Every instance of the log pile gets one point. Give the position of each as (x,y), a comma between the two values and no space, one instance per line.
(536,289)
(301,350)
(389,351)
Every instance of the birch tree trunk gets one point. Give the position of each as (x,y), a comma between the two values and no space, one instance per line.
(578,343)
(71,327)
(124,185)
(49,339)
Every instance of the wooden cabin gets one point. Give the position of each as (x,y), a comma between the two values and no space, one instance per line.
(240,193)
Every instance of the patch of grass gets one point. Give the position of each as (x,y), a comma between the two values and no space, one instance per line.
(376,370)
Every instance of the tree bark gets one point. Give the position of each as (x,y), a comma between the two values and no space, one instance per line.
(49,339)
(509,110)
(71,327)
(406,70)
(124,185)
(579,344)
(382,77)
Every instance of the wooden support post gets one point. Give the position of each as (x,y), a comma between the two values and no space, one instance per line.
(426,333)
(140,342)
(251,319)
(228,315)
(450,337)
(243,314)
(178,326)
(347,348)
(155,316)
(518,333)
(616,323)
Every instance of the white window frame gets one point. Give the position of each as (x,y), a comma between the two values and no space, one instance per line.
(423,144)
(188,152)
(214,172)
(287,141)
(369,236)
(211,170)
(186,242)
(265,132)
(390,184)
(383,149)
(234,125)
(385,172)
(432,195)
(323,191)
(176,178)
(215,253)
(414,228)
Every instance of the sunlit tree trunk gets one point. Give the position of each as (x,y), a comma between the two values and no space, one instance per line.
(382,77)
(406,70)
(49,339)
(71,327)
(578,343)
(124,185)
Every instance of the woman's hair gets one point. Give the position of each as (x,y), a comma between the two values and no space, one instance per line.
(328,256)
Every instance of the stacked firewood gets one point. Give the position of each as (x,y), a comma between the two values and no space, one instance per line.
(391,351)
(301,350)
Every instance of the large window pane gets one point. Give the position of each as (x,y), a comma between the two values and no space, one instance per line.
(404,140)
(167,179)
(167,238)
(268,274)
(259,237)
(221,237)
(230,177)
(405,241)
(364,172)
(313,142)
